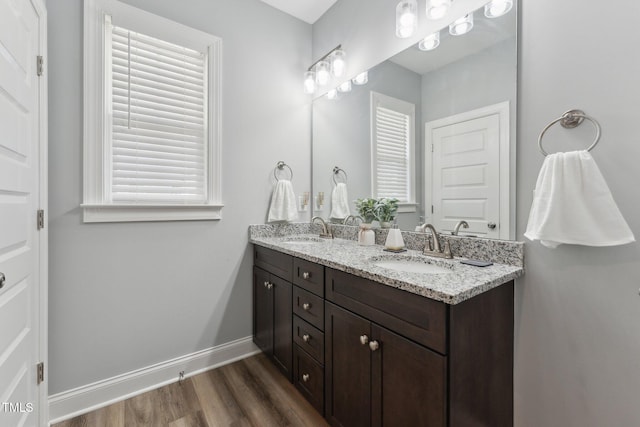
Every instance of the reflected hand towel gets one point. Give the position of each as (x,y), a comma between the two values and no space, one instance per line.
(340,202)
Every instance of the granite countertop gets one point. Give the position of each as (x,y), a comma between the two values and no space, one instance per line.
(462,283)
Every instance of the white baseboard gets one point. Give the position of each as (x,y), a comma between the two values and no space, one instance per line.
(71,403)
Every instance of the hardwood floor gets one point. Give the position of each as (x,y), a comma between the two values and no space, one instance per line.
(250,392)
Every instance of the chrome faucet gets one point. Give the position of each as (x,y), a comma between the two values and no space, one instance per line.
(326,228)
(456,229)
(355,218)
(436,250)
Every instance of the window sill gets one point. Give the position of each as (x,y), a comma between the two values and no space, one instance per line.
(407,207)
(137,213)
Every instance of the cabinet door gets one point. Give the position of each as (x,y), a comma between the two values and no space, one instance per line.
(347,368)
(408,382)
(282,325)
(262,311)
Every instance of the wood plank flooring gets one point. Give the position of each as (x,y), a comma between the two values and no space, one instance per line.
(250,392)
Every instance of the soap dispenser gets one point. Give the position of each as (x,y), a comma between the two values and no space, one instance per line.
(394,240)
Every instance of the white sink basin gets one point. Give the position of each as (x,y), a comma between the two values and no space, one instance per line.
(413,266)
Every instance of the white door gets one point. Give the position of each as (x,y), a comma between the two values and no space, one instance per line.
(466,172)
(22,294)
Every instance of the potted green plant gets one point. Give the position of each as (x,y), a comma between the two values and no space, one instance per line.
(386,210)
(367,209)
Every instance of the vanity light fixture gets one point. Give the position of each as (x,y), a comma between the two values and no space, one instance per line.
(406,18)
(320,72)
(361,78)
(309,82)
(461,25)
(497,8)
(437,9)
(430,42)
(345,87)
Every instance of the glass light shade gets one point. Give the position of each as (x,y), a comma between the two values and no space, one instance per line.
(406,18)
(332,94)
(461,25)
(361,78)
(437,9)
(497,8)
(345,87)
(338,62)
(309,82)
(322,73)
(430,42)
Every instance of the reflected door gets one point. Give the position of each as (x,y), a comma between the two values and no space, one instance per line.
(465,179)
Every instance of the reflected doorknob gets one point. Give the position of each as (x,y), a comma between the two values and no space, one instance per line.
(491,225)
(2,280)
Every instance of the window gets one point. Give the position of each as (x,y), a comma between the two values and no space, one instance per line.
(393,145)
(152,112)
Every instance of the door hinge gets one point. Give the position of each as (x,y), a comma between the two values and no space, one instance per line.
(40,219)
(431,208)
(40,372)
(40,65)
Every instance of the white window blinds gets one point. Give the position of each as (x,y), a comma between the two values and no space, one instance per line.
(157,120)
(392,148)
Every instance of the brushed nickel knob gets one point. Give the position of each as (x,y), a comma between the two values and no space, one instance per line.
(374,345)
(305,377)
(364,340)
(306,306)
(270,285)
(306,338)
(266,284)
(2,280)
(306,275)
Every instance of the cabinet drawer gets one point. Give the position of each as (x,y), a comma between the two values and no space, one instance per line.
(274,262)
(308,377)
(309,276)
(413,316)
(308,338)
(309,307)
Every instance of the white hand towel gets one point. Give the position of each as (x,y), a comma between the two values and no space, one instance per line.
(339,202)
(572,204)
(283,203)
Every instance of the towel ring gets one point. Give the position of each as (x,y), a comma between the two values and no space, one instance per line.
(279,167)
(570,120)
(336,171)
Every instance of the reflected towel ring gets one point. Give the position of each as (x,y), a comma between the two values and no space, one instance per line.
(570,120)
(336,171)
(279,167)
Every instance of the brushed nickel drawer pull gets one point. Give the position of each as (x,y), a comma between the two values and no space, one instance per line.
(305,377)
(306,338)
(269,285)
(364,340)
(306,306)
(266,284)
(374,345)
(306,275)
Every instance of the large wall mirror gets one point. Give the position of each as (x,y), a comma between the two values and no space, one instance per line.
(435,129)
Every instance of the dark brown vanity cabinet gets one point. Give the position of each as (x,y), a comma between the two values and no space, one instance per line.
(367,354)
(272,297)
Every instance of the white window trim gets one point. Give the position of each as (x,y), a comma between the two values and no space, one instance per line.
(95,209)
(376,99)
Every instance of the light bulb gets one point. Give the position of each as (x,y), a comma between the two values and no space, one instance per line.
(322,73)
(430,42)
(437,9)
(309,82)
(338,62)
(361,78)
(332,94)
(461,25)
(406,18)
(497,8)
(345,87)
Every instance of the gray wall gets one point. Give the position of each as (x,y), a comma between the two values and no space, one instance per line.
(125,296)
(342,134)
(577,342)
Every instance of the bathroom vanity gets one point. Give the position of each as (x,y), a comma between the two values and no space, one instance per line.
(370,346)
